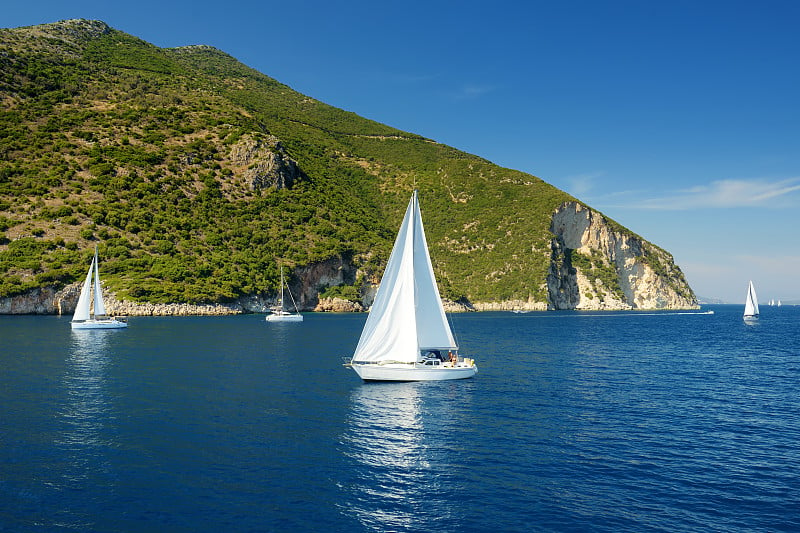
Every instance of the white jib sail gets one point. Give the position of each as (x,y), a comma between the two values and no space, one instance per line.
(85,299)
(99,306)
(407,314)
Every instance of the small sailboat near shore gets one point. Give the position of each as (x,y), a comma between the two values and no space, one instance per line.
(90,313)
(279,312)
(751,304)
(407,335)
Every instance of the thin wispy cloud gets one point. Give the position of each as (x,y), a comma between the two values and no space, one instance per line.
(471,91)
(726,194)
(467,91)
(582,184)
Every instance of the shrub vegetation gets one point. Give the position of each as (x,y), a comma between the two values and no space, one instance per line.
(109,141)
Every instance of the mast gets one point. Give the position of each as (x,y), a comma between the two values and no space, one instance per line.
(280,296)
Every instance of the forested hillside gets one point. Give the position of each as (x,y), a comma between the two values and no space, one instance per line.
(195,175)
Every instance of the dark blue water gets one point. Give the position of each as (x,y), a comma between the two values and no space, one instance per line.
(575,422)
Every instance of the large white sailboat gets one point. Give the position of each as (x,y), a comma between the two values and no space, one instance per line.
(406,336)
(87,315)
(279,312)
(751,303)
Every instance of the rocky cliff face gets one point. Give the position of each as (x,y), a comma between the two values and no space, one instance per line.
(596,264)
(263,162)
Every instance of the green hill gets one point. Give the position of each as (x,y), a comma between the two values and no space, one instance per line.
(194,174)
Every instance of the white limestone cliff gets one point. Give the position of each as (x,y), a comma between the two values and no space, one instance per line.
(597,264)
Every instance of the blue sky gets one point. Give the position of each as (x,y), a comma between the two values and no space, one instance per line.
(680,119)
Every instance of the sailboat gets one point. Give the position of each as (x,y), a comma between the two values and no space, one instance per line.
(406,335)
(751,303)
(94,317)
(279,312)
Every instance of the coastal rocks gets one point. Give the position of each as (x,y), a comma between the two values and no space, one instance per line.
(51,301)
(119,308)
(42,301)
(506,305)
(596,264)
(338,305)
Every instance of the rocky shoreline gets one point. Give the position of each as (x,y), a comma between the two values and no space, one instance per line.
(50,301)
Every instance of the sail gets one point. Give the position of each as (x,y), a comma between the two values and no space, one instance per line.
(751,303)
(407,313)
(99,306)
(85,299)
(433,330)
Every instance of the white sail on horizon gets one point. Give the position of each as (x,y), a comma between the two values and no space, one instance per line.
(751,302)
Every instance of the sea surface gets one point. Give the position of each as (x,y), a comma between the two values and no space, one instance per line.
(576,421)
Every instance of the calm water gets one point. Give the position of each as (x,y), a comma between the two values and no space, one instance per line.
(575,422)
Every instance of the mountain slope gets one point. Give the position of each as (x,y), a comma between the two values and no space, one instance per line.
(195,175)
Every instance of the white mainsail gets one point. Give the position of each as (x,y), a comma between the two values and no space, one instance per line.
(407,315)
(751,302)
(85,299)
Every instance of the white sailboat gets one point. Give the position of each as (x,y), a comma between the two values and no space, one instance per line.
(279,312)
(406,333)
(88,316)
(751,303)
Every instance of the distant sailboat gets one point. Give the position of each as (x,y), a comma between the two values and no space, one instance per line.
(751,303)
(279,312)
(406,335)
(94,317)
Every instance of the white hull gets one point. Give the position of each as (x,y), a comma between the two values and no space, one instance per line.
(413,372)
(284,318)
(99,324)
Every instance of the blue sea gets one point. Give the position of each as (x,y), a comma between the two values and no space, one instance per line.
(577,421)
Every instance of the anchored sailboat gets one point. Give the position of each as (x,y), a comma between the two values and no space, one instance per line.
(88,316)
(406,335)
(751,303)
(279,312)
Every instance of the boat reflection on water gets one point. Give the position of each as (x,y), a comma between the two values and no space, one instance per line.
(403,466)
(85,412)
